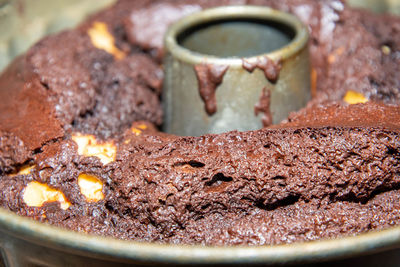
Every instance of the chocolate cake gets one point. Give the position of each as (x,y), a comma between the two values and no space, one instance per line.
(81,146)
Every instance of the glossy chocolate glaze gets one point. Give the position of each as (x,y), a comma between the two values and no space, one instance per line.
(269,67)
(263,105)
(209,76)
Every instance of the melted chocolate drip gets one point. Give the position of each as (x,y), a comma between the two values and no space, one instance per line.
(270,67)
(209,77)
(263,106)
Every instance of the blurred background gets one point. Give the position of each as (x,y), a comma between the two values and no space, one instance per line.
(23,22)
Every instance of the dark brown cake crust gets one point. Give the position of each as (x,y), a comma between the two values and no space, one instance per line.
(331,169)
(26,129)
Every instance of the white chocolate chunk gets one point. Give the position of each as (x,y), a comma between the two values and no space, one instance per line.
(36,194)
(24,170)
(353,97)
(91,187)
(89,147)
(103,39)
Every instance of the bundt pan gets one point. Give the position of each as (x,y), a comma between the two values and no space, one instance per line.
(24,242)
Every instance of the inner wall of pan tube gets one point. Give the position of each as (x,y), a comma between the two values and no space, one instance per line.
(240,38)
(226,54)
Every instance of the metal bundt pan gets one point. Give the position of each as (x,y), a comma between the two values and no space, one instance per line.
(24,242)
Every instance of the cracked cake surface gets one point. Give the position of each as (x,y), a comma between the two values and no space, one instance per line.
(83,150)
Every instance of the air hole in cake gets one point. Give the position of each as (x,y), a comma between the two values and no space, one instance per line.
(191,163)
(37,151)
(393,151)
(218,179)
(204,207)
(278,177)
(290,200)
(383,136)
(236,38)
(45,85)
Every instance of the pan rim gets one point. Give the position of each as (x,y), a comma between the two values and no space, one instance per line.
(123,250)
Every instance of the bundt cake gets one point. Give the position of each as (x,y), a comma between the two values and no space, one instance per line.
(81,146)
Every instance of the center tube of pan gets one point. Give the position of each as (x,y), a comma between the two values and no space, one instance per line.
(234,68)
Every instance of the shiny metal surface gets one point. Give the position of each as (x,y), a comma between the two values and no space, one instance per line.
(240,90)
